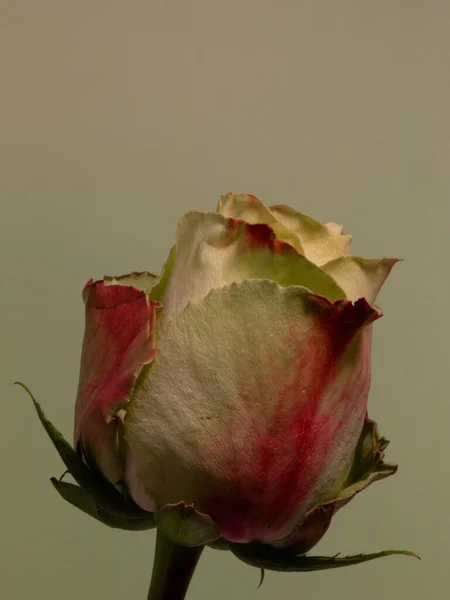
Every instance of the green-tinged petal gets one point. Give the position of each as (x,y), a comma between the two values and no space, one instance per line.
(263,556)
(159,288)
(250,209)
(253,406)
(319,244)
(185,526)
(102,492)
(246,207)
(360,277)
(213,251)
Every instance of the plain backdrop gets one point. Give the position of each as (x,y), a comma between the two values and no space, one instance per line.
(116,118)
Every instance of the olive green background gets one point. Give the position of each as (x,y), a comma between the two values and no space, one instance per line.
(115,119)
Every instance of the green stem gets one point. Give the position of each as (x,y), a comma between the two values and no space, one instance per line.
(173,568)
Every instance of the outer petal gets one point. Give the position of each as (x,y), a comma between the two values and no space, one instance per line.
(368,467)
(360,277)
(213,251)
(254,406)
(118,340)
(319,244)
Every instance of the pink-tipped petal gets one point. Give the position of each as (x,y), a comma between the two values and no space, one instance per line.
(368,466)
(118,340)
(254,406)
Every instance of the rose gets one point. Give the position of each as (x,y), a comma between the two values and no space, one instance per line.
(225,402)
(237,382)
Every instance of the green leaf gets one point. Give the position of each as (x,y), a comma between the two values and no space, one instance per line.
(101,491)
(264,556)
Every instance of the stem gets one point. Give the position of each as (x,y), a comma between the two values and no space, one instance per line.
(173,568)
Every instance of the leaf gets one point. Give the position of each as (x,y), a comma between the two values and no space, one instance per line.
(101,491)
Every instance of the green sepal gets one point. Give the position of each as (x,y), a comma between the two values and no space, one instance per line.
(219,544)
(126,523)
(184,525)
(77,496)
(261,581)
(80,498)
(101,491)
(264,556)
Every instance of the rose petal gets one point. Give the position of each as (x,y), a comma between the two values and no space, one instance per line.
(360,277)
(251,210)
(213,251)
(143,281)
(319,244)
(246,207)
(159,289)
(118,340)
(368,467)
(253,408)
(344,240)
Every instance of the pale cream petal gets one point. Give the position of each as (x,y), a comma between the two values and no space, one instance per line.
(334,228)
(360,277)
(213,250)
(344,240)
(319,244)
(246,207)
(251,210)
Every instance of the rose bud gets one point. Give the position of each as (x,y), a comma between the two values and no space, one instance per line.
(226,400)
